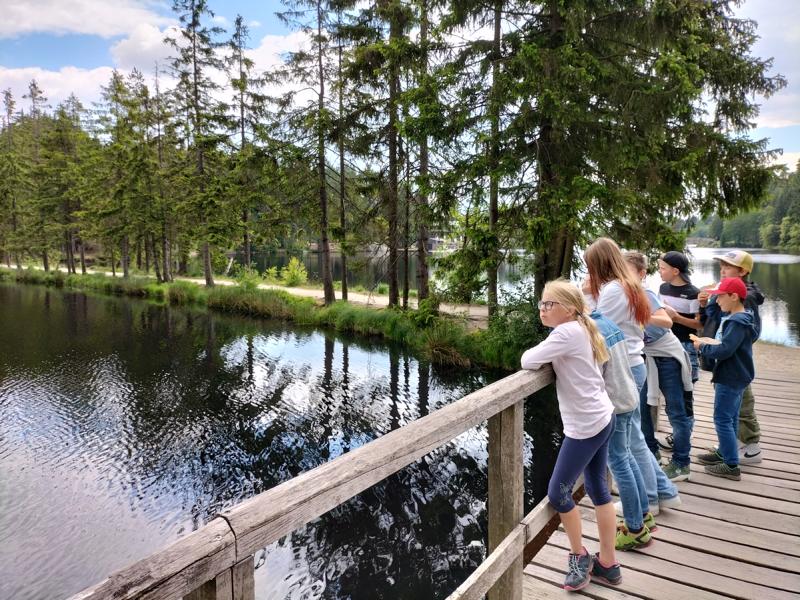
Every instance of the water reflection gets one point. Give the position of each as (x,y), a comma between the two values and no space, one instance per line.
(124,425)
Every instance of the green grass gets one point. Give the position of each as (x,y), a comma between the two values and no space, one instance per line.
(441,339)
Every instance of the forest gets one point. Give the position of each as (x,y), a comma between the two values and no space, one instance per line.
(519,128)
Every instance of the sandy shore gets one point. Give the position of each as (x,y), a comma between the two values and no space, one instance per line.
(772,357)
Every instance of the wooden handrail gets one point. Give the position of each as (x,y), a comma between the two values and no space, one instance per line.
(209,557)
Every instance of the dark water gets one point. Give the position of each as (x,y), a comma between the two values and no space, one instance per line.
(125,425)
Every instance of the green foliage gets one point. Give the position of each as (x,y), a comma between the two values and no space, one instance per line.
(427,312)
(271,275)
(247,278)
(294,273)
(184,293)
(382,289)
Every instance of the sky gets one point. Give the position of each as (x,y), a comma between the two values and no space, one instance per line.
(73,45)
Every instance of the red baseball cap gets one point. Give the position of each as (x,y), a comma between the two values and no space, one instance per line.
(731,285)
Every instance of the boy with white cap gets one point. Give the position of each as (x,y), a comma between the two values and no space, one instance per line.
(738,263)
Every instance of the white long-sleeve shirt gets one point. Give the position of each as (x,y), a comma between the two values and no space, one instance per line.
(613,303)
(582,399)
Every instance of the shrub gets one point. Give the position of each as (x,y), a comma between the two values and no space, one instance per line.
(271,275)
(382,288)
(247,278)
(294,273)
(184,292)
(427,312)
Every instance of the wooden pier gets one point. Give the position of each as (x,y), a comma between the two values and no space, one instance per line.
(728,540)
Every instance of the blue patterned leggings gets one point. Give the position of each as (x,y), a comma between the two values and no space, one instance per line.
(589,457)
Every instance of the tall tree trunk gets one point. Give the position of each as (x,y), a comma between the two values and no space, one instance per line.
(342,187)
(45,261)
(147,253)
(165,253)
(126,257)
(207,267)
(406,228)
(422,207)
(152,250)
(494,156)
(394,93)
(138,253)
(83,256)
(327,276)
(113,263)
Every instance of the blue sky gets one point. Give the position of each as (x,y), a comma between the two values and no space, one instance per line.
(72,46)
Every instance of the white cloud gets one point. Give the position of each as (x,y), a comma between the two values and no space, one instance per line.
(268,53)
(93,17)
(57,85)
(790,159)
(220,20)
(143,47)
(253,24)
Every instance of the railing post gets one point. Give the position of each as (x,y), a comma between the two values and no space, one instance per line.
(506,491)
(244,582)
(236,583)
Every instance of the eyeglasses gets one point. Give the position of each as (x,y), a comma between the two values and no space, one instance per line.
(547,305)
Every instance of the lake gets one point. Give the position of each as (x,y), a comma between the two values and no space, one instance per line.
(124,425)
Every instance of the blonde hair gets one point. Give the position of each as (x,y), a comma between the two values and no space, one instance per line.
(571,298)
(605,263)
(637,259)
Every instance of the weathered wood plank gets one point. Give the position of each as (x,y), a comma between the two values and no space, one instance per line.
(506,493)
(173,572)
(271,515)
(695,575)
(538,577)
(739,497)
(244,582)
(643,583)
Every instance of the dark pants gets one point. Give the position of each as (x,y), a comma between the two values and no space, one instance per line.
(590,457)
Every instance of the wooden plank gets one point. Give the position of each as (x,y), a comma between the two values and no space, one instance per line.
(645,583)
(506,555)
(702,559)
(739,498)
(243,582)
(762,488)
(173,572)
(270,515)
(506,493)
(536,577)
(712,545)
(741,515)
(695,575)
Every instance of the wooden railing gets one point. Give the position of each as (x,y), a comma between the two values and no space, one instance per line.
(216,561)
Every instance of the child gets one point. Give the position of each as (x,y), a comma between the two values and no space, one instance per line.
(733,372)
(679,298)
(738,263)
(576,349)
(620,297)
(634,532)
(668,370)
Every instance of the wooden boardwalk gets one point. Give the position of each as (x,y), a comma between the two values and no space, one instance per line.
(729,539)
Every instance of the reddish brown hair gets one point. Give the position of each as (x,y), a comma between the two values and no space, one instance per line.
(605,263)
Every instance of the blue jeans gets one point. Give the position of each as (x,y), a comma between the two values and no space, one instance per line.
(626,473)
(727,400)
(692,352)
(655,480)
(679,408)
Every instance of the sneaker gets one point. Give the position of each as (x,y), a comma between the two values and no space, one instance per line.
(578,568)
(650,522)
(676,473)
(674,502)
(723,470)
(712,457)
(667,443)
(611,574)
(750,454)
(626,540)
(654,509)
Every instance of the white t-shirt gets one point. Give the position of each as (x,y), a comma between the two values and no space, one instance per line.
(613,303)
(582,398)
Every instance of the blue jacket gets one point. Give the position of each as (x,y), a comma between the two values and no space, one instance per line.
(733,357)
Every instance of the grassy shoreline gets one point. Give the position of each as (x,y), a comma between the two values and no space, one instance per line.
(441,339)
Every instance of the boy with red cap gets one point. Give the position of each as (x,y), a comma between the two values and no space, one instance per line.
(738,263)
(731,353)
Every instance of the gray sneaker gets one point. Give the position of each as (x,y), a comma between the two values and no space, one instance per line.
(578,568)
(676,473)
(712,457)
(612,574)
(723,470)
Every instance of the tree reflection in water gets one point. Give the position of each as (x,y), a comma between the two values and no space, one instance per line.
(184,414)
